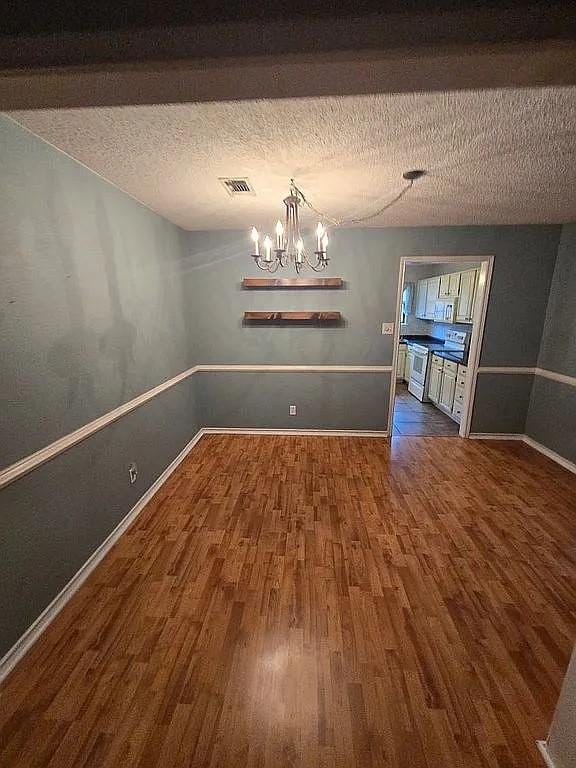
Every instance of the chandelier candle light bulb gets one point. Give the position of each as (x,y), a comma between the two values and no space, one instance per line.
(267,249)
(319,235)
(299,251)
(279,236)
(255,239)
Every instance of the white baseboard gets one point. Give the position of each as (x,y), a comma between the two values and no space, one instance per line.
(27,640)
(543,747)
(569,465)
(295,432)
(495,436)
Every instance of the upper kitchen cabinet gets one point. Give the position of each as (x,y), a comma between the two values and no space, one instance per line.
(421,289)
(432,295)
(450,285)
(465,304)
(460,286)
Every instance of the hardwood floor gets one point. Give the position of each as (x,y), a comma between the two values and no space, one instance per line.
(411,417)
(315,602)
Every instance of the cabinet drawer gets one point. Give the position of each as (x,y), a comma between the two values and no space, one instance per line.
(461,381)
(457,412)
(462,370)
(458,396)
(450,366)
(437,362)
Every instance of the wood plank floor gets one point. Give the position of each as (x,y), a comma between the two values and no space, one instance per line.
(411,417)
(319,602)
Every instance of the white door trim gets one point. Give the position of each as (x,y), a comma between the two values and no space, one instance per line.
(486,262)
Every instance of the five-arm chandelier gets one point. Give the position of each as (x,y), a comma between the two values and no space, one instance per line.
(288,246)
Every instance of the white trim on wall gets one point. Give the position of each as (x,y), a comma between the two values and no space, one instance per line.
(297,368)
(295,432)
(517,370)
(562,378)
(28,463)
(27,640)
(543,747)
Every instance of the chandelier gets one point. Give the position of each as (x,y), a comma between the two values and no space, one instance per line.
(288,247)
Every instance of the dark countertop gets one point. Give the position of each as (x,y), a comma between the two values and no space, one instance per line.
(436,346)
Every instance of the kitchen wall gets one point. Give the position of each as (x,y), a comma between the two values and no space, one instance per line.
(92,314)
(552,411)
(368,260)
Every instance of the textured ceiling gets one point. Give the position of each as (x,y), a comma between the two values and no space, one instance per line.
(502,156)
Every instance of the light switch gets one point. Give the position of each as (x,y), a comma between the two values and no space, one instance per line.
(387,329)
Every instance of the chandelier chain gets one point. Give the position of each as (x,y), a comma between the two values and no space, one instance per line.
(359,219)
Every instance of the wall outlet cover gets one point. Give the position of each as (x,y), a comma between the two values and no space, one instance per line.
(387,329)
(292,410)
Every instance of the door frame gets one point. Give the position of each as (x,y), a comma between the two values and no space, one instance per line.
(478,322)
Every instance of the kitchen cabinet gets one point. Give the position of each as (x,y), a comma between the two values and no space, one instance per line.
(435,381)
(447,389)
(421,289)
(450,285)
(432,295)
(401,362)
(460,286)
(465,305)
(407,366)
(458,406)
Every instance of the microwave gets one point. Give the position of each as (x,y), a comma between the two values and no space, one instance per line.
(445,311)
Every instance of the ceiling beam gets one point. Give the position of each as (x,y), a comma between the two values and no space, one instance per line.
(511,65)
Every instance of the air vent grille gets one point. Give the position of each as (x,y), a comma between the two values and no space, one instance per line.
(237,187)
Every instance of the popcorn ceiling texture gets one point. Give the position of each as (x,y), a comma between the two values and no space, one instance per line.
(493,157)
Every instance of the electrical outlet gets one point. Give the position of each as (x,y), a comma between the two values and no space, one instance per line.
(132,472)
(292,410)
(387,329)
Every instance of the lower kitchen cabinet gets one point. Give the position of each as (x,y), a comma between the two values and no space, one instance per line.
(447,389)
(435,379)
(401,362)
(446,386)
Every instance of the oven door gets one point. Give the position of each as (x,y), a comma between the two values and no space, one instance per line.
(418,370)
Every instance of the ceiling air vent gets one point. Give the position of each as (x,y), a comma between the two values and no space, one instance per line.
(237,187)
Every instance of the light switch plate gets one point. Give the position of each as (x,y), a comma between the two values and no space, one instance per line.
(387,329)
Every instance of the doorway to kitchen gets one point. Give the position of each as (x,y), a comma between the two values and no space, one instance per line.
(440,317)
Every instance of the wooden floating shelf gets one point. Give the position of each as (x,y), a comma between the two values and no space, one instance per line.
(292,282)
(293,317)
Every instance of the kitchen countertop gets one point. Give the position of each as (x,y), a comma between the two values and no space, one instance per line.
(437,347)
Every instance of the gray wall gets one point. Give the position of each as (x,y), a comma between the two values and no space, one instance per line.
(91,314)
(552,413)
(368,260)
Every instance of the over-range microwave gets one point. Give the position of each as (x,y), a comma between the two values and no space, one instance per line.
(445,311)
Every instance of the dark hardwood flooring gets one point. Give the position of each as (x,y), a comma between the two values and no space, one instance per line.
(411,417)
(315,602)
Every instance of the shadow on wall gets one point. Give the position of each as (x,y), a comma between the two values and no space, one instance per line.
(73,357)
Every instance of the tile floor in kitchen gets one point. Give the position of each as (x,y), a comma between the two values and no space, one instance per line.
(411,417)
